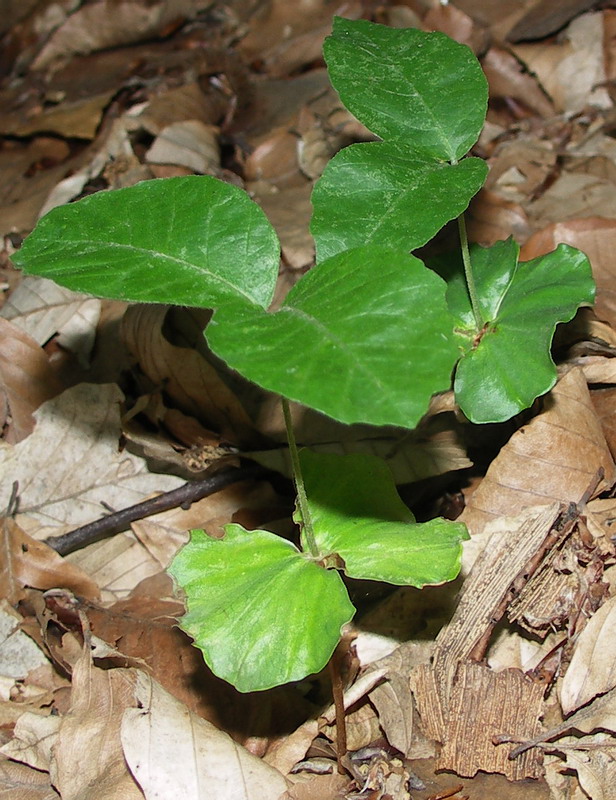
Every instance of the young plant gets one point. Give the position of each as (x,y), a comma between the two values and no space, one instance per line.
(367,335)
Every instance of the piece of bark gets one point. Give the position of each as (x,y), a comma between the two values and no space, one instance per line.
(486,704)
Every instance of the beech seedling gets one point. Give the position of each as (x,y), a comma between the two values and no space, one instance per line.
(368,335)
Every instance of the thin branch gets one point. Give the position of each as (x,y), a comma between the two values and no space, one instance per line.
(182,497)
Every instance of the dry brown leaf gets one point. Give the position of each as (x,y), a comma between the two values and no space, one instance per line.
(604,401)
(19,655)
(103,25)
(173,753)
(555,457)
(273,158)
(27,380)
(284,754)
(319,787)
(518,168)
(545,17)
(87,757)
(71,464)
(596,770)
(29,172)
(508,79)
(600,713)
(33,740)
(595,236)
(491,218)
(191,144)
(289,211)
(592,669)
(43,309)
(187,102)
(27,562)
(20,782)
(455,23)
(187,377)
(573,194)
(572,72)
(284,40)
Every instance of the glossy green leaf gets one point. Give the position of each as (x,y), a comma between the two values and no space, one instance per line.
(363,337)
(386,193)
(357,513)
(193,241)
(261,612)
(420,88)
(508,364)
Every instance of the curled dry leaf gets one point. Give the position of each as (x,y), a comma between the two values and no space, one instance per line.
(595,236)
(26,381)
(555,457)
(29,563)
(188,379)
(592,670)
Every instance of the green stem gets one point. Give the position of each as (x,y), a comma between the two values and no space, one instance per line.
(302,499)
(468,274)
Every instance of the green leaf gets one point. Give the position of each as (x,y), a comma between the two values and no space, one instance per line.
(409,85)
(192,241)
(386,193)
(508,364)
(363,337)
(262,612)
(357,513)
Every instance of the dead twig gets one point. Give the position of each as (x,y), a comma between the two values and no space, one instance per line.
(182,497)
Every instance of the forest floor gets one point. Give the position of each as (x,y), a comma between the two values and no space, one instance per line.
(104,405)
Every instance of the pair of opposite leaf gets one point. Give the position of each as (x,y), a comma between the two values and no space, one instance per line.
(380,333)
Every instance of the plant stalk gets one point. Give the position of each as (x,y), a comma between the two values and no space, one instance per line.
(334,665)
(468,274)
(298,479)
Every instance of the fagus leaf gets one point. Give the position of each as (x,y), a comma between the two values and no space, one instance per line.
(358,515)
(262,612)
(363,337)
(421,88)
(387,193)
(508,364)
(193,241)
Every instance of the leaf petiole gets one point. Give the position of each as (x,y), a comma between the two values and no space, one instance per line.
(468,275)
(302,499)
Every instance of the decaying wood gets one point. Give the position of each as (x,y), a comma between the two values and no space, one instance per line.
(500,572)
(484,704)
(461,701)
